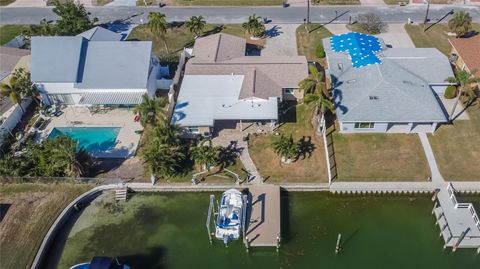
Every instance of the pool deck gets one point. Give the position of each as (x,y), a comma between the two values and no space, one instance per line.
(459,223)
(263,229)
(127,140)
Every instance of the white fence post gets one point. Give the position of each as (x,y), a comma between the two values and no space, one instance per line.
(327,156)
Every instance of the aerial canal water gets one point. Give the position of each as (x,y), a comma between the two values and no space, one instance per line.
(167,230)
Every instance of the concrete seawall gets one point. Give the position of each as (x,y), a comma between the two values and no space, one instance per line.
(337,187)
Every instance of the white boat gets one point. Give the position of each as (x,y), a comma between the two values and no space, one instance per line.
(229,219)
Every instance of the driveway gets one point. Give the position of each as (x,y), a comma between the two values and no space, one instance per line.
(372,3)
(281,40)
(396,36)
(29,3)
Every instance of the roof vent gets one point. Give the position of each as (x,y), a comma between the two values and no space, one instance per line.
(373,97)
(340,66)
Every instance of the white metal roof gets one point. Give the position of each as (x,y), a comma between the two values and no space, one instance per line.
(206,98)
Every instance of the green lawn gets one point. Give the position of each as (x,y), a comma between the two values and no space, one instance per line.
(213,2)
(308,38)
(379,157)
(6,2)
(180,37)
(394,2)
(434,37)
(457,148)
(8,32)
(308,169)
(336,2)
(32,210)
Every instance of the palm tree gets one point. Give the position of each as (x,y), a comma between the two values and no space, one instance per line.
(321,101)
(206,155)
(286,148)
(25,85)
(465,79)
(196,24)
(163,160)
(254,26)
(313,83)
(158,24)
(151,110)
(13,91)
(460,23)
(167,133)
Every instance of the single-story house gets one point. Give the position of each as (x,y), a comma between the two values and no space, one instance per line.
(466,53)
(93,68)
(10,113)
(221,82)
(10,59)
(398,91)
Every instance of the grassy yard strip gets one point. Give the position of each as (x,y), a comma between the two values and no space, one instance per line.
(457,148)
(380,157)
(179,37)
(9,32)
(434,37)
(214,2)
(308,39)
(32,210)
(309,169)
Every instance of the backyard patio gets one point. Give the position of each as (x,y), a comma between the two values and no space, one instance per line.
(129,131)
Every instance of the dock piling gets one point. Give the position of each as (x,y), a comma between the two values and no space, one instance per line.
(338,247)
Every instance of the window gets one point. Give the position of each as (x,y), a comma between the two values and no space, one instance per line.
(288,90)
(364,125)
(193,130)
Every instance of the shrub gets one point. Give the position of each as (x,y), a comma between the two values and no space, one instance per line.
(319,51)
(450,92)
(371,23)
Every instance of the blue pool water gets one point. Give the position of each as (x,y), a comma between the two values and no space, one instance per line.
(90,138)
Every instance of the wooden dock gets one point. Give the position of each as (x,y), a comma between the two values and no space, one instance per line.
(263,217)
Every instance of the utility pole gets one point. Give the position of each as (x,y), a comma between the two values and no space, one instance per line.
(426,16)
(308,11)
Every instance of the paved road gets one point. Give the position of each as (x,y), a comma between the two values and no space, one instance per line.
(9,15)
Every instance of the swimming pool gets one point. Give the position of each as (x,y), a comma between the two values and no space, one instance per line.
(93,139)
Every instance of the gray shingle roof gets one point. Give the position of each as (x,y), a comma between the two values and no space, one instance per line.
(398,90)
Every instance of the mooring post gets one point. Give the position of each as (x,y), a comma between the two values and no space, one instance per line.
(338,247)
(278,243)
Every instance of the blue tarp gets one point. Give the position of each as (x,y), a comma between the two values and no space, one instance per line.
(360,47)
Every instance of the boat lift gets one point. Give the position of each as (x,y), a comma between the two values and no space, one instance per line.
(212,213)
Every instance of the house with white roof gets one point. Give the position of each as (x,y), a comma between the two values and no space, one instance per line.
(93,68)
(222,84)
(393,90)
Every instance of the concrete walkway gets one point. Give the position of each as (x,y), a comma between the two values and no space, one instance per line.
(255,177)
(281,40)
(437,178)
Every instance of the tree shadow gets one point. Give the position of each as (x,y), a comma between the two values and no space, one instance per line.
(306,147)
(156,257)
(332,20)
(228,155)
